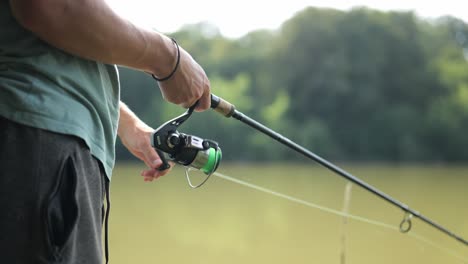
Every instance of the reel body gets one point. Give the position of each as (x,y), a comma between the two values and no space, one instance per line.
(184,149)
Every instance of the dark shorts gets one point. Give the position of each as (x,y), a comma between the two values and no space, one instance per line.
(51,198)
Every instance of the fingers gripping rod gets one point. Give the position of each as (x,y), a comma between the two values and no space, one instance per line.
(228,110)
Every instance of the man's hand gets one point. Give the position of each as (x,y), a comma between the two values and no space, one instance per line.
(188,85)
(135,135)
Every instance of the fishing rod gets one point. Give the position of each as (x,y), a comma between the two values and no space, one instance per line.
(229,110)
(205,155)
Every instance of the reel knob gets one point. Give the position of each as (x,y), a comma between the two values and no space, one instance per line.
(173,140)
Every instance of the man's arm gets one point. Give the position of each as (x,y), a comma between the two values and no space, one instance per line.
(92,30)
(135,135)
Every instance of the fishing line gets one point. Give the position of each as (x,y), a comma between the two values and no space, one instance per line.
(205,155)
(229,110)
(421,238)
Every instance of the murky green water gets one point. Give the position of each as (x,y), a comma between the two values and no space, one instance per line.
(224,222)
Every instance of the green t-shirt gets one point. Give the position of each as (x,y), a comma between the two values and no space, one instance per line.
(44,87)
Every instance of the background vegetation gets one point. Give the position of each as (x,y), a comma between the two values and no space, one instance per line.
(361,85)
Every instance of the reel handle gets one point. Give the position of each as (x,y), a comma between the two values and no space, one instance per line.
(222,106)
(165,165)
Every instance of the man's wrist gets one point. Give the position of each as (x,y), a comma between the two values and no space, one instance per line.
(162,79)
(165,57)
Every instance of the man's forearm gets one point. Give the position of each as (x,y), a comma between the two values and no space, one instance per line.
(92,30)
(127,120)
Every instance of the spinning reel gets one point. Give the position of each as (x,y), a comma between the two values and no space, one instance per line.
(188,150)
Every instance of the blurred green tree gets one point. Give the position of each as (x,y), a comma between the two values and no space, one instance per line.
(361,85)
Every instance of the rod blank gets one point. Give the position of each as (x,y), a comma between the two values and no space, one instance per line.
(221,106)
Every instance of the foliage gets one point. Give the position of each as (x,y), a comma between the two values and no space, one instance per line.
(361,85)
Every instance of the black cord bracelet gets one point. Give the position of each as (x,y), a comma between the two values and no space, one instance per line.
(175,68)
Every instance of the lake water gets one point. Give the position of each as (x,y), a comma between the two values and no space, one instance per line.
(224,222)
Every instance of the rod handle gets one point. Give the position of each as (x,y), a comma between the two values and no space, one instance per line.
(222,106)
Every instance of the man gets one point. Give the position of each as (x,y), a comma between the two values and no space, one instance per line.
(59,116)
